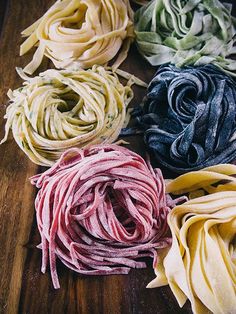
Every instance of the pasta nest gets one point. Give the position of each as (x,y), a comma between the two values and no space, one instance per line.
(201,263)
(189,117)
(80,33)
(187,33)
(99,210)
(61,109)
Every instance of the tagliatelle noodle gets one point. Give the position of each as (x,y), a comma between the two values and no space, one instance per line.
(188,32)
(99,210)
(188,117)
(61,109)
(77,34)
(201,263)
(209,180)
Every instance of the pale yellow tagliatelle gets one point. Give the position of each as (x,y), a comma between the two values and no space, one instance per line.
(61,109)
(201,263)
(80,33)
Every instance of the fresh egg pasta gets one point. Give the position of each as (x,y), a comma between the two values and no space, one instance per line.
(187,32)
(61,109)
(188,117)
(80,33)
(201,263)
(100,210)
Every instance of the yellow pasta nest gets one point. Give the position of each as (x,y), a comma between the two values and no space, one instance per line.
(80,33)
(61,109)
(201,263)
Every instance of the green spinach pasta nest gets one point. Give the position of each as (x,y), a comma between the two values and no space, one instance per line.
(192,32)
(61,109)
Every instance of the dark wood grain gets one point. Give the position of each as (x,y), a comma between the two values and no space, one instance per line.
(3,12)
(23,289)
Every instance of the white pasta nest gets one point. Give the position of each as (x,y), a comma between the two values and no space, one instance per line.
(80,33)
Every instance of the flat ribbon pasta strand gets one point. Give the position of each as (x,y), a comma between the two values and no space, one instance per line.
(187,32)
(61,109)
(100,210)
(77,34)
(201,263)
(213,179)
(188,117)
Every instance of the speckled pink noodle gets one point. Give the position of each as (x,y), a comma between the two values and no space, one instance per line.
(99,210)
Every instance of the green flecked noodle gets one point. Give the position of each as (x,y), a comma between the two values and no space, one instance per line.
(187,32)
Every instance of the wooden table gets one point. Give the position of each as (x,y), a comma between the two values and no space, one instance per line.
(23,288)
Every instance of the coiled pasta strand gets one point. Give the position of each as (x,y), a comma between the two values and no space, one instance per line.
(77,34)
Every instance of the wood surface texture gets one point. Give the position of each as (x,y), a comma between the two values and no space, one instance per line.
(23,288)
